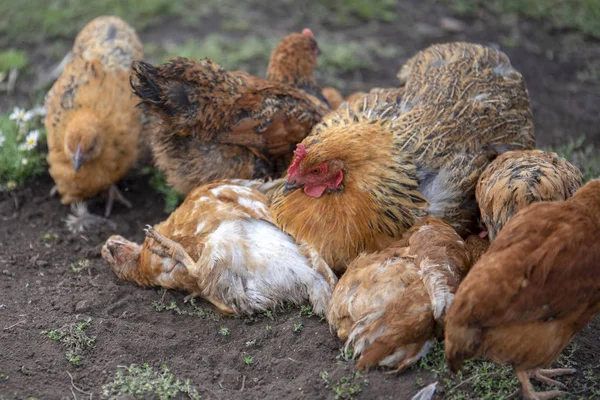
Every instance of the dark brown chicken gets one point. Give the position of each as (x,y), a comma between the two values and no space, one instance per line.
(387,303)
(535,288)
(213,124)
(518,178)
(373,168)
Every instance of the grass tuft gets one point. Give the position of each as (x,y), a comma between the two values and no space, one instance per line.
(171,197)
(193,310)
(74,338)
(12,58)
(346,387)
(583,155)
(142,381)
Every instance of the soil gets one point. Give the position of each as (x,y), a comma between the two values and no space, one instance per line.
(39,290)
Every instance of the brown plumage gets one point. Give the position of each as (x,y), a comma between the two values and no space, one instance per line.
(333,96)
(221,244)
(518,178)
(92,123)
(387,303)
(214,125)
(535,288)
(372,169)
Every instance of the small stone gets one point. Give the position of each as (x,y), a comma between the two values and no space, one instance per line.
(41,263)
(81,305)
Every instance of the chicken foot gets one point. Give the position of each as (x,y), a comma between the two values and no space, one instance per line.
(542,375)
(115,194)
(170,249)
(177,253)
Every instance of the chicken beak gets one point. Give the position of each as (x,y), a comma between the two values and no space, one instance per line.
(290,186)
(78,159)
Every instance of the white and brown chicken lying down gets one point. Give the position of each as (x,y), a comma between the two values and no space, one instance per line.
(387,304)
(221,244)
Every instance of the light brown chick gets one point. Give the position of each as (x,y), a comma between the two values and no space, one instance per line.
(387,303)
(518,178)
(221,244)
(535,288)
(92,121)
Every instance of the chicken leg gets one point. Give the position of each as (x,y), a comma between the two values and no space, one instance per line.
(174,250)
(115,194)
(542,375)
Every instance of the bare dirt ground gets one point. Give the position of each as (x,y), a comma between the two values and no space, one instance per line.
(40,291)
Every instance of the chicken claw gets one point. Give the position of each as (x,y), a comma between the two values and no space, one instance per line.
(115,194)
(170,249)
(542,375)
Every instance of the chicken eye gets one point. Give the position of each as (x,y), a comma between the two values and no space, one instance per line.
(316,171)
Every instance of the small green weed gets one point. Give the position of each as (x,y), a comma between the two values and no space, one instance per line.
(298,327)
(195,310)
(21,136)
(12,58)
(142,381)
(248,360)
(74,338)
(306,311)
(171,197)
(80,266)
(346,387)
(224,331)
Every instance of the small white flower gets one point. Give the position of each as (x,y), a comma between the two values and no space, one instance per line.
(39,110)
(28,115)
(24,161)
(2,138)
(31,140)
(18,114)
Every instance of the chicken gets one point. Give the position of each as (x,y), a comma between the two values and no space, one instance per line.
(387,303)
(92,123)
(215,125)
(373,168)
(518,178)
(333,96)
(535,288)
(221,244)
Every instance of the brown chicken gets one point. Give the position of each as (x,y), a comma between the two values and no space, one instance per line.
(214,125)
(386,304)
(518,178)
(92,123)
(333,96)
(535,288)
(221,244)
(373,168)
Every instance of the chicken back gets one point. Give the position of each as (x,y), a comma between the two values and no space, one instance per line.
(221,244)
(518,178)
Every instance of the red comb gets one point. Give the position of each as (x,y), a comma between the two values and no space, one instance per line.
(308,32)
(299,154)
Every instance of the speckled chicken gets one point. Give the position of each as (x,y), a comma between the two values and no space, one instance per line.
(373,168)
(387,303)
(518,178)
(213,124)
(221,244)
(92,123)
(535,288)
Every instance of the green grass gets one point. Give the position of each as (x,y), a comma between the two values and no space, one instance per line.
(224,331)
(581,15)
(12,58)
(347,387)
(248,360)
(142,382)
(584,156)
(192,310)
(19,163)
(74,338)
(171,197)
(252,53)
(80,266)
